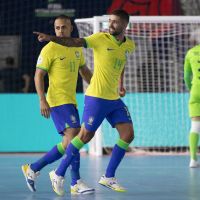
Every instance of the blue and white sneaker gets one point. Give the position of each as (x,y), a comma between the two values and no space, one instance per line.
(81,188)
(30,177)
(111,183)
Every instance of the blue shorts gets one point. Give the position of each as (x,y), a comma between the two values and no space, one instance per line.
(97,109)
(65,116)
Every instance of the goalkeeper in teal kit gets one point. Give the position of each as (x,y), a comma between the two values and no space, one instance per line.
(192,80)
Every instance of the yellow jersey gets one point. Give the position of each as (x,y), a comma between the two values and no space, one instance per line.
(110,57)
(62,64)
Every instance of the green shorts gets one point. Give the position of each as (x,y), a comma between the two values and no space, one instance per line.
(194,102)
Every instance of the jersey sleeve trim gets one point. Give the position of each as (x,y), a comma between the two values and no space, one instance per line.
(43,68)
(82,65)
(85,43)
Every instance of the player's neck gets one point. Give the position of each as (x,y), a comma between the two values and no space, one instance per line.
(120,37)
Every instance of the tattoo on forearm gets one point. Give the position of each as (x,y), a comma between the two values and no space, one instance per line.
(67,41)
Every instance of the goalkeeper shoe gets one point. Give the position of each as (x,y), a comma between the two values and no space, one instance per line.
(194,163)
(111,183)
(57,183)
(30,176)
(81,188)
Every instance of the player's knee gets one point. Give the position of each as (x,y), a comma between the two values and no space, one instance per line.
(195,127)
(130,136)
(65,143)
(69,134)
(85,135)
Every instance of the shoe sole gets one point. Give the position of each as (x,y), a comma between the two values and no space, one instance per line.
(107,186)
(84,192)
(196,166)
(30,188)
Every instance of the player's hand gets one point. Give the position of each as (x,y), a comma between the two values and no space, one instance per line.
(122,92)
(42,37)
(44,108)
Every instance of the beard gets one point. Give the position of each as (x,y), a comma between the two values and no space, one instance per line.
(114,32)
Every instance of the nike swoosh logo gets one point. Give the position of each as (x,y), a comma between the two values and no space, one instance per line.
(62,58)
(110,49)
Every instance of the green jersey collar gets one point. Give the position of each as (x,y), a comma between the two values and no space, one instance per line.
(116,41)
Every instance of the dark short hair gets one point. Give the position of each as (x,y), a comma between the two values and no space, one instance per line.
(63,17)
(122,14)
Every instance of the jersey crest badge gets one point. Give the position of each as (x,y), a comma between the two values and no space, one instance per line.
(73,119)
(77,54)
(90,120)
(126,53)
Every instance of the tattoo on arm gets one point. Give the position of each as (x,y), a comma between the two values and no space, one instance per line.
(68,41)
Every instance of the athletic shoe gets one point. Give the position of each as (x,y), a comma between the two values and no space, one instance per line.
(81,188)
(57,183)
(30,176)
(194,163)
(111,183)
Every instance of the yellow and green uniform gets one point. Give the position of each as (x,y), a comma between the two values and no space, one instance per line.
(110,57)
(192,79)
(62,64)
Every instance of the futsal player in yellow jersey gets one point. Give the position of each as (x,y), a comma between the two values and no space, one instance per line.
(102,98)
(62,65)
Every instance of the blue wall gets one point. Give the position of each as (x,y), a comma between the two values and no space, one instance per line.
(159,120)
(22,127)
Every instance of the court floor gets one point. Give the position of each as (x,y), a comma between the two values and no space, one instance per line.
(145,177)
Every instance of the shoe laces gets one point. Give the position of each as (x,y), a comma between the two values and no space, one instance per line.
(32,175)
(62,183)
(113,181)
(59,181)
(81,184)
